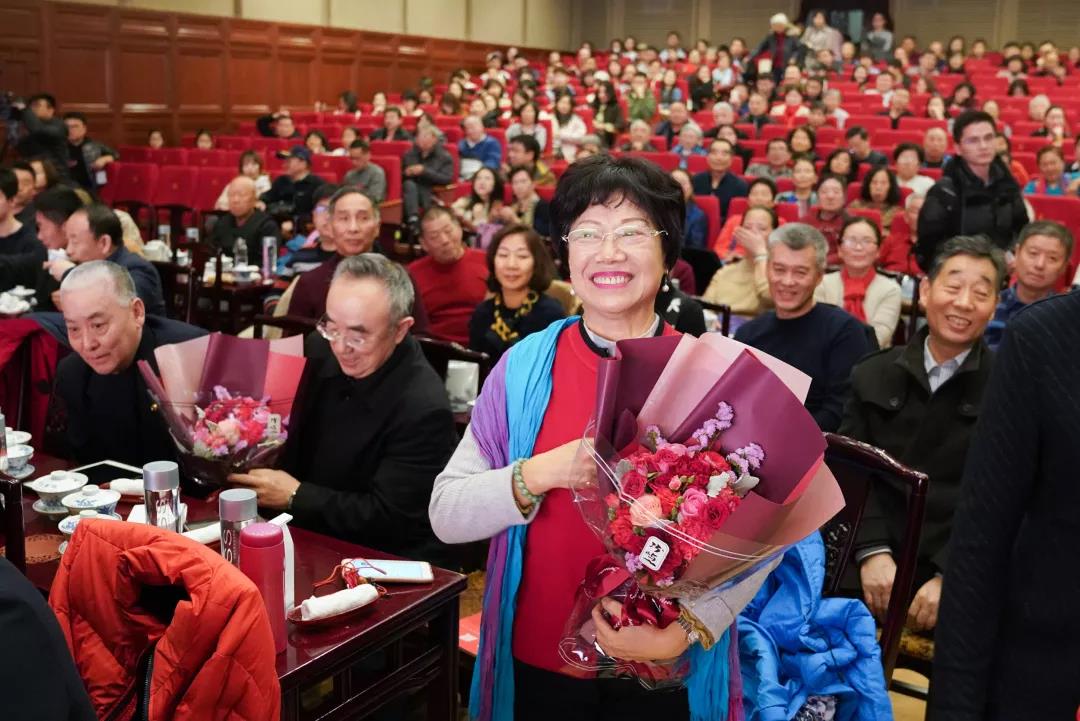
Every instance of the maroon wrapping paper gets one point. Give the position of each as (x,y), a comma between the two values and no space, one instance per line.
(237,364)
(624,383)
(766,413)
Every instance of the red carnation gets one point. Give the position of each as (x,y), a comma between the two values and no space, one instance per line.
(717,461)
(667,498)
(622,531)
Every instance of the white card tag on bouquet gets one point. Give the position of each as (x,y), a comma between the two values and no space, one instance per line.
(654,553)
(273,425)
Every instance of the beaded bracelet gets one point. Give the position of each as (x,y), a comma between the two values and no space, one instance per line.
(519,483)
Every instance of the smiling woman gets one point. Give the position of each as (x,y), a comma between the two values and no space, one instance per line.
(620,224)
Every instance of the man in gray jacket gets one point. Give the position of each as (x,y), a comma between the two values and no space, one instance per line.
(425,165)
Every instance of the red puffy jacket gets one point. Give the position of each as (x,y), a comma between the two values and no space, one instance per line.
(136,603)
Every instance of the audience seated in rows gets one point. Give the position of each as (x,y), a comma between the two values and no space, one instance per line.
(477,149)
(243,220)
(364,174)
(21,255)
(94,233)
(275,125)
(100,395)
(528,124)
(424,166)
(1052,178)
(307,252)
(451,279)
(373,425)
(898,250)
(87,158)
(762,192)
(526,150)
(857,287)
(881,192)
(290,194)
(908,159)
(831,214)
(741,283)
(718,180)
(803,196)
(1041,255)
(976,194)
(520,271)
(251,166)
(920,404)
(821,340)
(392,128)
(696,225)
(526,206)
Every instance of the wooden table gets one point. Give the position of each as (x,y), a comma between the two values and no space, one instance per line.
(407,643)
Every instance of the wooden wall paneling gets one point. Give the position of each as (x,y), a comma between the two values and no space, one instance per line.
(378,58)
(251,66)
(200,74)
(20,48)
(338,64)
(445,56)
(296,67)
(413,62)
(79,58)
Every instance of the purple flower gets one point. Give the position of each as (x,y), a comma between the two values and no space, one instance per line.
(725,415)
(748,458)
(633,562)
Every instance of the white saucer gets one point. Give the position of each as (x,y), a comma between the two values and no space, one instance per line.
(50,512)
(26,472)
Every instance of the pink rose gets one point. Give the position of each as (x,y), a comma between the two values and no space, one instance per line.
(645,511)
(694,502)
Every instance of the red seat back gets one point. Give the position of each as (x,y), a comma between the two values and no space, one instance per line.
(710,205)
(205,158)
(331,167)
(390,147)
(131,182)
(176,186)
(392,166)
(667,161)
(209,184)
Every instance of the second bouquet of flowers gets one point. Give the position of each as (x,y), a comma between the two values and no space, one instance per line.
(227,401)
(708,467)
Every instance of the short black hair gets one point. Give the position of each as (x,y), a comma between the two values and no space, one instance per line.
(1049,149)
(519,169)
(393,109)
(349,98)
(9,183)
(76,115)
(543,267)
(324,191)
(809,133)
(904,147)
(1049,228)
(892,197)
(344,190)
(974,246)
(856,219)
(250,155)
(360,144)
(49,99)
(602,179)
(827,170)
(767,182)
(856,131)
(320,135)
(103,221)
(529,143)
(970,117)
(774,141)
(57,204)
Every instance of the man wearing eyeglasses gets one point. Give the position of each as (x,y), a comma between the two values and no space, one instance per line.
(373,423)
(99,395)
(977,195)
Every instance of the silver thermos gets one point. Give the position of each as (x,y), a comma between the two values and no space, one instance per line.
(237,508)
(161,490)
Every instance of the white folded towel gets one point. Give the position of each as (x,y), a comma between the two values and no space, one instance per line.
(339,602)
(127,486)
(205,535)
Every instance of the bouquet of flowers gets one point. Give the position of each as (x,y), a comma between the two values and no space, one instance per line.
(227,401)
(708,467)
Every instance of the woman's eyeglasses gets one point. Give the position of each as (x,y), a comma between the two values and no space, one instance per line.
(628,237)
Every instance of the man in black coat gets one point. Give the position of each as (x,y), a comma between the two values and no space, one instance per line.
(1008,645)
(99,391)
(919,404)
(38,678)
(244,220)
(373,425)
(291,195)
(95,233)
(977,193)
(46,135)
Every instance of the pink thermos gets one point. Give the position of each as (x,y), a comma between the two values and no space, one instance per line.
(262,559)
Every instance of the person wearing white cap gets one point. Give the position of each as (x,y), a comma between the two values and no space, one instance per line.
(778,48)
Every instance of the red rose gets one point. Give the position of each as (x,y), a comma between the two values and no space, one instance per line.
(716,513)
(633,484)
